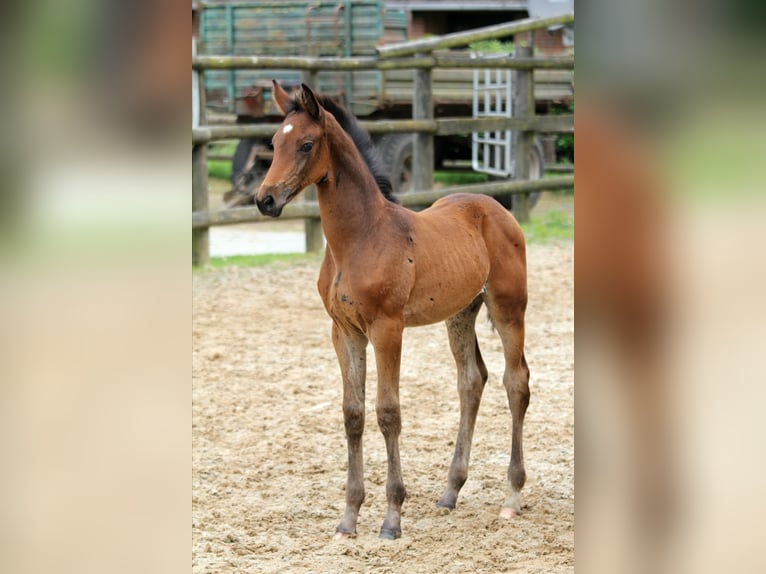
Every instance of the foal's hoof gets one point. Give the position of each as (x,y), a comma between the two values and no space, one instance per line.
(448,500)
(442,510)
(508,513)
(341,535)
(390,533)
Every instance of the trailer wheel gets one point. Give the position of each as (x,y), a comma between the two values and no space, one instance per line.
(396,153)
(536,171)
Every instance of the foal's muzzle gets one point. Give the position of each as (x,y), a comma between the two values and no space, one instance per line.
(267,205)
(272,198)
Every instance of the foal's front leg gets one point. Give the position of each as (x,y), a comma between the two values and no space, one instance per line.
(386,337)
(351,348)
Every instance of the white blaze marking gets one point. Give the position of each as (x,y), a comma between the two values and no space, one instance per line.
(287,129)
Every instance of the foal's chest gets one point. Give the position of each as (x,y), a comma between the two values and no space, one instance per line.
(356,294)
(346,304)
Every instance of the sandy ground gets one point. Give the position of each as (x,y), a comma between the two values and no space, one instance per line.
(269,452)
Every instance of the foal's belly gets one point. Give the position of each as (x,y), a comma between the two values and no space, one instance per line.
(444,286)
(451,264)
(427,312)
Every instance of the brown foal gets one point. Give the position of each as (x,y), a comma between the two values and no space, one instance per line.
(387,268)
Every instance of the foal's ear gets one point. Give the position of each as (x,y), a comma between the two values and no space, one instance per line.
(310,102)
(281,99)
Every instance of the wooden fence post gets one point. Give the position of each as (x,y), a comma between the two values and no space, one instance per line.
(201,236)
(523,141)
(312,226)
(423,149)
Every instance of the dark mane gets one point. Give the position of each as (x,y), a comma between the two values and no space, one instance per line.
(362,141)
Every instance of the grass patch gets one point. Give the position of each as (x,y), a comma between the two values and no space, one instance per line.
(459,177)
(224,147)
(548,226)
(258,260)
(219,169)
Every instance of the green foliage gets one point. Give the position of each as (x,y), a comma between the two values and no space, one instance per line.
(459,177)
(259,260)
(491,47)
(565,142)
(223,147)
(219,169)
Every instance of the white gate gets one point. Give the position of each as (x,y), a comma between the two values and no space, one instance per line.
(491,150)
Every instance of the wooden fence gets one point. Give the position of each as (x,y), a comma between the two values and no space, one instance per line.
(417,55)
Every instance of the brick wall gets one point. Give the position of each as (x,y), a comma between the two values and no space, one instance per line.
(549,43)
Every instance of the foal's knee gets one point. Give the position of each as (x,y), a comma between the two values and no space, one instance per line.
(353,417)
(389,419)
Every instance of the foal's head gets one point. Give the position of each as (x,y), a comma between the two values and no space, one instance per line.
(301,154)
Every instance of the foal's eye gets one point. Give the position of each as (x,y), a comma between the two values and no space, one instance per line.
(306,147)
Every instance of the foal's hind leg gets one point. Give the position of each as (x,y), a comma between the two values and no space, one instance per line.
(508,317)
(471,377)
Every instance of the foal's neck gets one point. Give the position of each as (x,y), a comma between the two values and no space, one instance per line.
(350,203)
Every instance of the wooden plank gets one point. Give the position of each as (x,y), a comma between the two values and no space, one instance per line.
(412,199)
(208,62)
(447,75)
(213,133)
(523,141)
(423,198)
(312,226)
(465,38)
(551,63)
(314,235)
(203,218)
(201,234)
(563,123)
(296,63)
(423,149)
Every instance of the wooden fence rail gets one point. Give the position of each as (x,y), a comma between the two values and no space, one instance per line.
(551,167)
(445,126)
(417,55)
(310,209)
(372,63)
(464,38)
